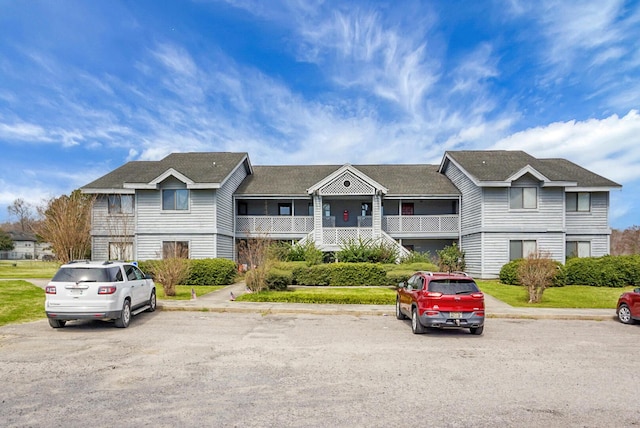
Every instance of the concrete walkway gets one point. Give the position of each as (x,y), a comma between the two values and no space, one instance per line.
(220,301)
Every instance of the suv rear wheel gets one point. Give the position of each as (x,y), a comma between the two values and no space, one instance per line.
(125,317)
(399,314)
(56,323)
(152,302)
(477,330)
(416,327)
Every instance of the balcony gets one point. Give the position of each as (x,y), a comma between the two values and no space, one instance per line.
(401,226)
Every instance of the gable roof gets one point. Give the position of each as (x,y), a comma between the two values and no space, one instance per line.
(21,236)
(500,167)
(196,169)
(295,180)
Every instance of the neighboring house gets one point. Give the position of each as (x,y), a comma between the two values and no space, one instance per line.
(498,205)
(26,247)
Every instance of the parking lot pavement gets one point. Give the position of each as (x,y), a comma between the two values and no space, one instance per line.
(193,369)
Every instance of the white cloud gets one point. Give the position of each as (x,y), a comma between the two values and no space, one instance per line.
(606,146)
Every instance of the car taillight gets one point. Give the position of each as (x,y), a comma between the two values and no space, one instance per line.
(477,295)
(107,290)
(50,289)
(434,294)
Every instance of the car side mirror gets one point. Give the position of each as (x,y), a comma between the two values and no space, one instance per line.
(636,290)
(402,284)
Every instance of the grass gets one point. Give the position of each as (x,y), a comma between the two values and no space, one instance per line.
(183,292)
(571,296)
(339,295)
(21,302)
(25,269)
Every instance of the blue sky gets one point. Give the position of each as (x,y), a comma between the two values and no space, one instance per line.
(86,86)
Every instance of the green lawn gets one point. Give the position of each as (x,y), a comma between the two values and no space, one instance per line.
(24,269)
(183,292)
(571,296)
(21,302)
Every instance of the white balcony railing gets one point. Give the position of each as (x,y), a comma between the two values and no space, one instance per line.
(274,224)
(390,224)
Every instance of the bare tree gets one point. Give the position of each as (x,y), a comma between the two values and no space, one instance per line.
(625,241)
(254,253)
(66,225)
(23,212)
(536,272)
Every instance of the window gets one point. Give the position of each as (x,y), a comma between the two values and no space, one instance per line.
(521,249)
(175,249)
(578,249)
(175,199)
(523,198)
(133,273)
(120,250)
(284,209)
(407,208)
(242,208)
(120,204)
(326,209)
(311,209)
(578,202)
(365,209)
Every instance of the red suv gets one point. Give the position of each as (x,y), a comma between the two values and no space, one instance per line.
(441,300)
(628,309)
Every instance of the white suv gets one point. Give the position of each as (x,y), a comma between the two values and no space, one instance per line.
(100,291)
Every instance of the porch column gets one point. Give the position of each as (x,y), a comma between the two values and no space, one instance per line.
(376,215)
(317,218)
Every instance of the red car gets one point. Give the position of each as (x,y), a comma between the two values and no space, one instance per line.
(441,300)
(628,309)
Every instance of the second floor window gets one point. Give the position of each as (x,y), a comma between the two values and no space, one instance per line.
(175,199)
(523,198)
(120,204)
(578,202)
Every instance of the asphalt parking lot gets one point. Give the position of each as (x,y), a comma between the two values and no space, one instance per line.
(194,369)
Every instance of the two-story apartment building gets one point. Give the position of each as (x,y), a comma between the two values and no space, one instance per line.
(498,205)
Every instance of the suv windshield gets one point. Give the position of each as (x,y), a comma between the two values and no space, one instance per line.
(453,286)
(86,274)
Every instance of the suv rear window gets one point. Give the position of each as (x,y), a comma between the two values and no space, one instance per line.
(453,286)
(86,274)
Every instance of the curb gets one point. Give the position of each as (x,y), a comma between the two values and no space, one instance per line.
(383,311)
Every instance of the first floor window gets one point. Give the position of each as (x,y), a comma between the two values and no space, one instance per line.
(578,202)
(523,198)
(578,249)
(120,250)
(120,204)
(175,249)
(175,199)
(326,210)
(521,249)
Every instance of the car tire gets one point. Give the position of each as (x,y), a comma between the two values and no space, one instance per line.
(416,327)
(125,317)
(399,314)
(624,314)
(56,323)
(477,330)
(152,302)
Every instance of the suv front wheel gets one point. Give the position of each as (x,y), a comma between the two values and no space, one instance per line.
(399,314)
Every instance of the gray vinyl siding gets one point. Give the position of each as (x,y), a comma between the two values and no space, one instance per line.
(225,213)
(495,248)
(471,201)
(499,217)
(99,248)
(472,247)
(594,221)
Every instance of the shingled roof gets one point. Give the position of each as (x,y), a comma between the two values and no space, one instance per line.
(294,180)
(500,165)
(209,167)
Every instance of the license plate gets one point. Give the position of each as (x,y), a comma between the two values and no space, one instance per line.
(455,315)
(75,292)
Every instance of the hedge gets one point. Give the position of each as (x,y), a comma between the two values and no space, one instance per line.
(341,274)
(202,271)
(606,271)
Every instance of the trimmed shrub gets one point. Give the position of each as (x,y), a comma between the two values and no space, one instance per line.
(278,279)
(606,271)
(341,274)
(312,275)
(211,272)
